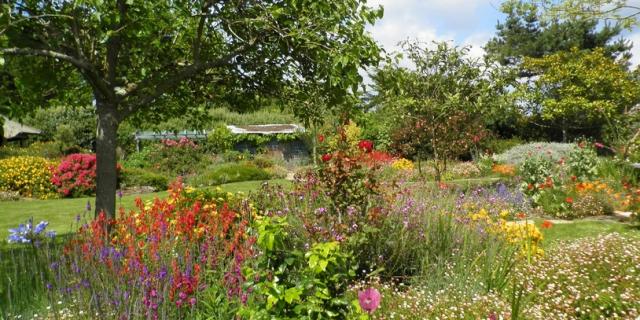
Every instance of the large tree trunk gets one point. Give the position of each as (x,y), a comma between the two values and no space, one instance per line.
(106,158)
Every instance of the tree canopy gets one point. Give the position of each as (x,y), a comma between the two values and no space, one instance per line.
(146,56)
(525,33)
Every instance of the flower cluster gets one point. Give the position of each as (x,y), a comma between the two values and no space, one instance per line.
(76,175)
(28,175)
(591,278)
(183,142)
(402,164)
(154,258)
(28,233)
(504,169)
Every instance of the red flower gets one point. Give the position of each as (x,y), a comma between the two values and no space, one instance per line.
(366,145)
(326,157)
(547,224)
(569,200)
(320,138)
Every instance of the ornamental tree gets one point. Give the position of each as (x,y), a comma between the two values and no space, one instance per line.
(148,58)
(582,90)
(442,101)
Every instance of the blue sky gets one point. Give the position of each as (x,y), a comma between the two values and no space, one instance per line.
(465,22)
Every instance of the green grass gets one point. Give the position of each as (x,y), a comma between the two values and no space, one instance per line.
(61,212)
(585,228)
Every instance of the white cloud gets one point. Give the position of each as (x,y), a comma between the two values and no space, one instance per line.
(635,50)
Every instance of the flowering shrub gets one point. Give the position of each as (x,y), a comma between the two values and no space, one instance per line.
(537,175)
(402,164)
(504,169)
(152,263)
(551,151)
(76,175)
(30,176)
(583,163)
(463,170)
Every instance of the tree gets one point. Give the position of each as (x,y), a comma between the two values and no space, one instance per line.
(622,11)
(149,58)
(443,99)
(582,90)
(526,33)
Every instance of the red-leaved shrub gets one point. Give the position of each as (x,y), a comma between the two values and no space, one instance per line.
(76,175)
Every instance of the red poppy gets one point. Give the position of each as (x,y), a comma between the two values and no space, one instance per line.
(569,200)
(366,145)
(547,224)
(326,157)
(320,138)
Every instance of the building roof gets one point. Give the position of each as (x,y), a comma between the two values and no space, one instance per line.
(14,130)
(266,129)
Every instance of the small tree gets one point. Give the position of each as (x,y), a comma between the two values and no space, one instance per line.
(582,90)
(441,104)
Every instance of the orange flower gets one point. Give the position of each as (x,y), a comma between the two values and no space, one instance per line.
(569,200)
(521,215)
(547,224)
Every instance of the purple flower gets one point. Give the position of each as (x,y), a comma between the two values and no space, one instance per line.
(88,207)
(369,299)
(119,194)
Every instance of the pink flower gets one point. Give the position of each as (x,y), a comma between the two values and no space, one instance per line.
(598,145)
(369,299)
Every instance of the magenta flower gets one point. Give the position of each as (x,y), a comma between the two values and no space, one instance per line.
(369,299)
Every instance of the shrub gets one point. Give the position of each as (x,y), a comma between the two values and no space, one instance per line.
(402,164)
(76,175)
(537,175)
(504,169)
(591,205)
(141,159)
(497,146)
(136,177)
(229,172)
(48,150)
(583,163)
(28,175)
(550,151)
(464,170)
(220,139)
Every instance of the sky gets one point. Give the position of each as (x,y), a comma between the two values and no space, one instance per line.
(465,22)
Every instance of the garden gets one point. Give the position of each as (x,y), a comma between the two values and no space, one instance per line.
(448,187)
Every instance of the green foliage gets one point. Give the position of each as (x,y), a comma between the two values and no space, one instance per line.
(67,126)
(138,177)
(220,139)
(48,150)
(537,175)
(223,116)
(581,90)
(292,284)
(526,33)
(229,172)
(583,163)
(553,201)
(448,90)
(497,145)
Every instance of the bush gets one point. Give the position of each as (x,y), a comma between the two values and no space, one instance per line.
(583,163)
(462,170)
(30,176)
(497,146)
(76,175)
(220,139)
(537,175)
(229,172)
(48,150)
(551,151)
(136,177)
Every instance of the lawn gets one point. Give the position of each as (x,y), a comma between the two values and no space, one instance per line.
(61,212)
(585,228)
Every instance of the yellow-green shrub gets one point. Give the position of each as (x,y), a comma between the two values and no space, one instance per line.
(28,175)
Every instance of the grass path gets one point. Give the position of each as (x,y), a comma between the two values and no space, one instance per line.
(61,212)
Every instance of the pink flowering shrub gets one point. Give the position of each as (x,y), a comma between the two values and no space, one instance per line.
(76,175)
